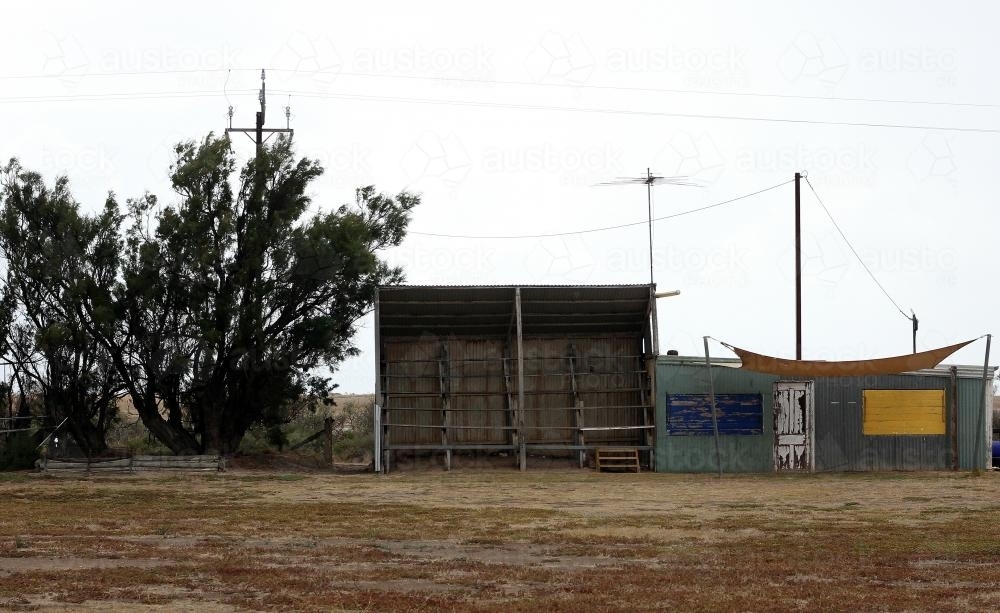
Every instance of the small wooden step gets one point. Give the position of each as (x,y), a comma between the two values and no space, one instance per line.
(617,458)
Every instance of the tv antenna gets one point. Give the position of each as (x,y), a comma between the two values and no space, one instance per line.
(650,180)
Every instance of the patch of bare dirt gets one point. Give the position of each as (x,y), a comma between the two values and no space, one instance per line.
(21,564)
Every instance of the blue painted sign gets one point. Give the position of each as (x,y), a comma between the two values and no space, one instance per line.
(737,414)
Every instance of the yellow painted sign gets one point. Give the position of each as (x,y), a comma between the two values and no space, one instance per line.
(889,412)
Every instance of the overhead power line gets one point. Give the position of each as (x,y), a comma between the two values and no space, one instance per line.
(499,105)
(668,90)
(604,228)
(861,261)
(162,95)
(640,113)
(520,83)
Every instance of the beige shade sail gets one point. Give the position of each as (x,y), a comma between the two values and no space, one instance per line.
(854,368)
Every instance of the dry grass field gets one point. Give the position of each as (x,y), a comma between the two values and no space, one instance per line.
(498,540)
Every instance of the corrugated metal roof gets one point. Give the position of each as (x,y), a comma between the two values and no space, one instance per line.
(487,310)
(512,286)
(965,371)
(697,360)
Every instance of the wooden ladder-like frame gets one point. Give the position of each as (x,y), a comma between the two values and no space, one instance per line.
(617,458)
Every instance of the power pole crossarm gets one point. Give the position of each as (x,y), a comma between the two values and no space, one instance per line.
(258,131)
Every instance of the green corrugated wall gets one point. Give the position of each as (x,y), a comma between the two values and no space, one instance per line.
(754,453)
(970,394)
(680,453)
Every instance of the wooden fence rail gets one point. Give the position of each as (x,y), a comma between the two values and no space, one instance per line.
(133,464)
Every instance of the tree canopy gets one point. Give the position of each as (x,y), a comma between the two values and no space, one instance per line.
(216,312)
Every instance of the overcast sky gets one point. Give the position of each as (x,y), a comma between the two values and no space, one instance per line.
(506,119)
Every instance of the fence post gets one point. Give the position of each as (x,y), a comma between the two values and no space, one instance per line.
(328,441)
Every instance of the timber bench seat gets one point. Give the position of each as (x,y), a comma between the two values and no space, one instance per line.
(617,458)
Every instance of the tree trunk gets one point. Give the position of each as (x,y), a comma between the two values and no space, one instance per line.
(233,438)
(89,437)
(175,437)
(179,441)
(223,433)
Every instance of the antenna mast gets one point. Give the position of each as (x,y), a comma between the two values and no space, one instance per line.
(650,180)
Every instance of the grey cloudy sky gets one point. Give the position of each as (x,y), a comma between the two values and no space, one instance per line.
(505,118)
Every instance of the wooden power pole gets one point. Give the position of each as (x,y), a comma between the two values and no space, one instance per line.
(798,266)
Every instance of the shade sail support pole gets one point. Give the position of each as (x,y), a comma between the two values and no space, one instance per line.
(522,449)
(715,417)
(981,431)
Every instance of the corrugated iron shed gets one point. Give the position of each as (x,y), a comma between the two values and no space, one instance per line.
(841,444)
(554,369)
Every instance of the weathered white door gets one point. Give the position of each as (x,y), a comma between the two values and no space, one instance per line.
(793,426)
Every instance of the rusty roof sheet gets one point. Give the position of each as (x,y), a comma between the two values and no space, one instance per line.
(488,310)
